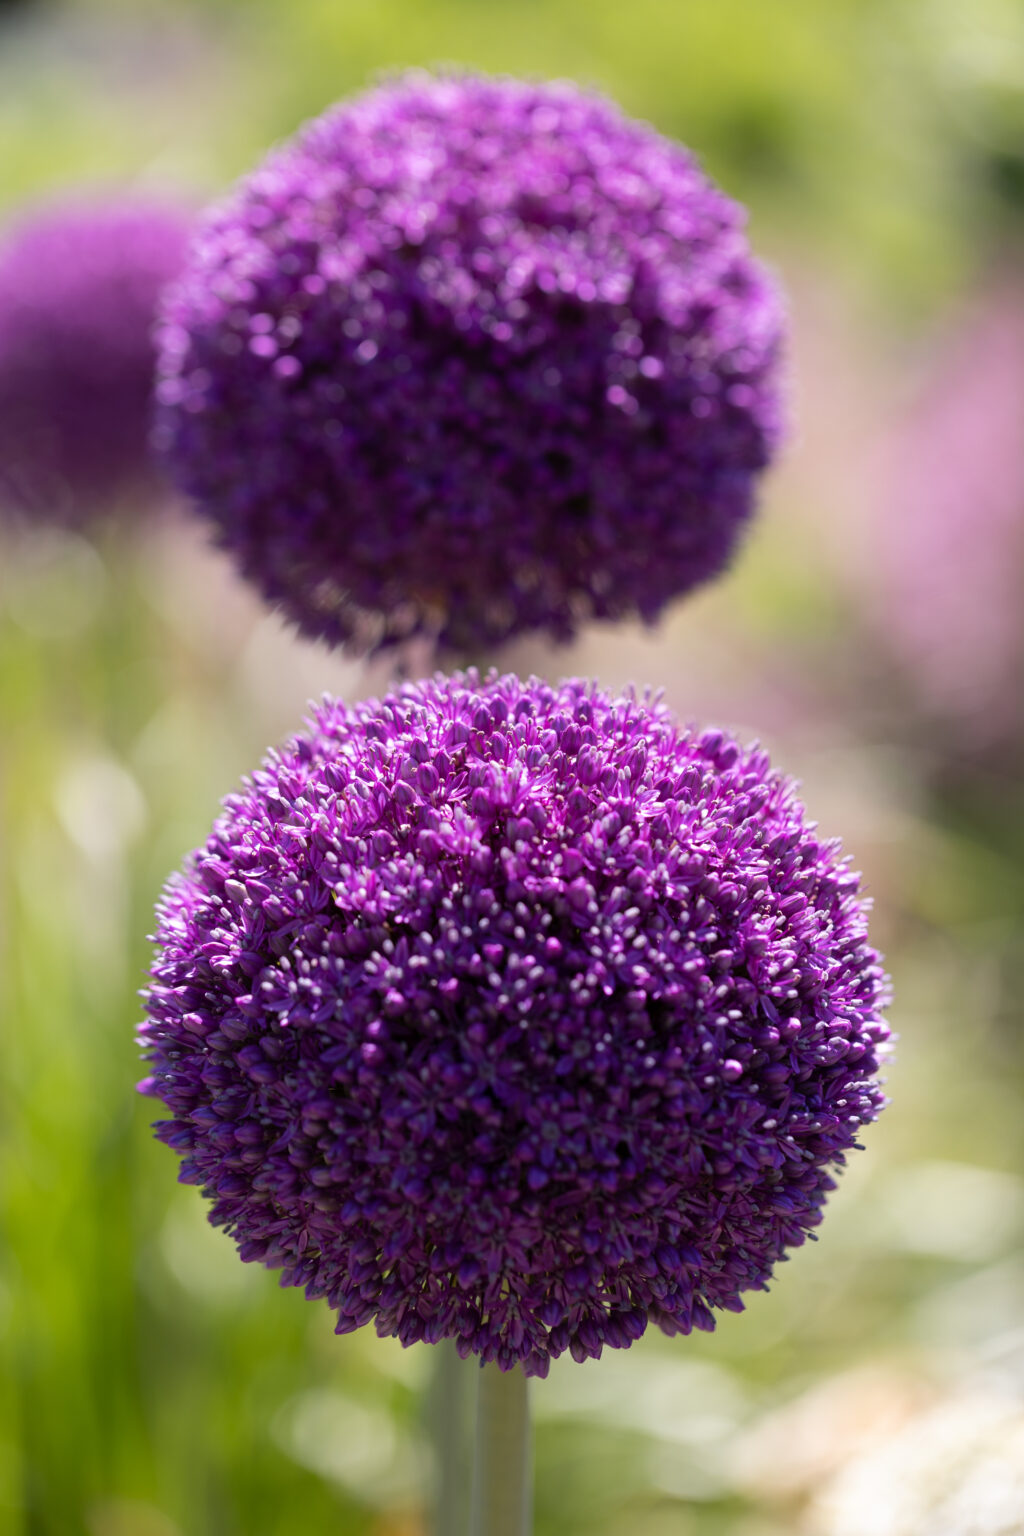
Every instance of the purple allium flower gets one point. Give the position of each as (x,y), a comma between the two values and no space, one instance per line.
(946,576)
(514,1014)
(472,357)
(78,290)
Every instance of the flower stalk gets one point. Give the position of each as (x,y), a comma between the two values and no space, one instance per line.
(502,1497)
(449,1408)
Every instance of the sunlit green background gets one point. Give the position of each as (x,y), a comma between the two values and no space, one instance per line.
(150,1384)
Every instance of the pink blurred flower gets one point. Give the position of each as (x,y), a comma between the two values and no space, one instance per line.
(950,545)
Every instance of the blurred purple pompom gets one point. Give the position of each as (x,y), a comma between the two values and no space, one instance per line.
(79,282)
(469,358)
(514,1014)
(949,562)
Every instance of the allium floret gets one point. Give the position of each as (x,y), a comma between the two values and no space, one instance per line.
(472,357)
(517,1015)
(79,282)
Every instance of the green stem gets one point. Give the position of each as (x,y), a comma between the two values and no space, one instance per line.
(448,1408)
(502,1477)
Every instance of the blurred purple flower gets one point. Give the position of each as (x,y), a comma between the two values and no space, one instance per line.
(78,287)
(472,357)
(514,1014)
(951,570)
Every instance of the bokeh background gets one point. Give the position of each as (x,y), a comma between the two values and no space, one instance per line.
(872,634)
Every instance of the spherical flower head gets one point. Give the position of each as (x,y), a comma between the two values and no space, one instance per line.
(78,290)
(514,1014)
(945,575)
(469,358)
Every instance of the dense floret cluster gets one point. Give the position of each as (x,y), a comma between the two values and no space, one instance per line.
(469,358)
(78,290)
(514,1014)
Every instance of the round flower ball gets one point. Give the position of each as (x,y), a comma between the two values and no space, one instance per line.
(514,1014)
(470,358)
(943,582)
(79,282)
